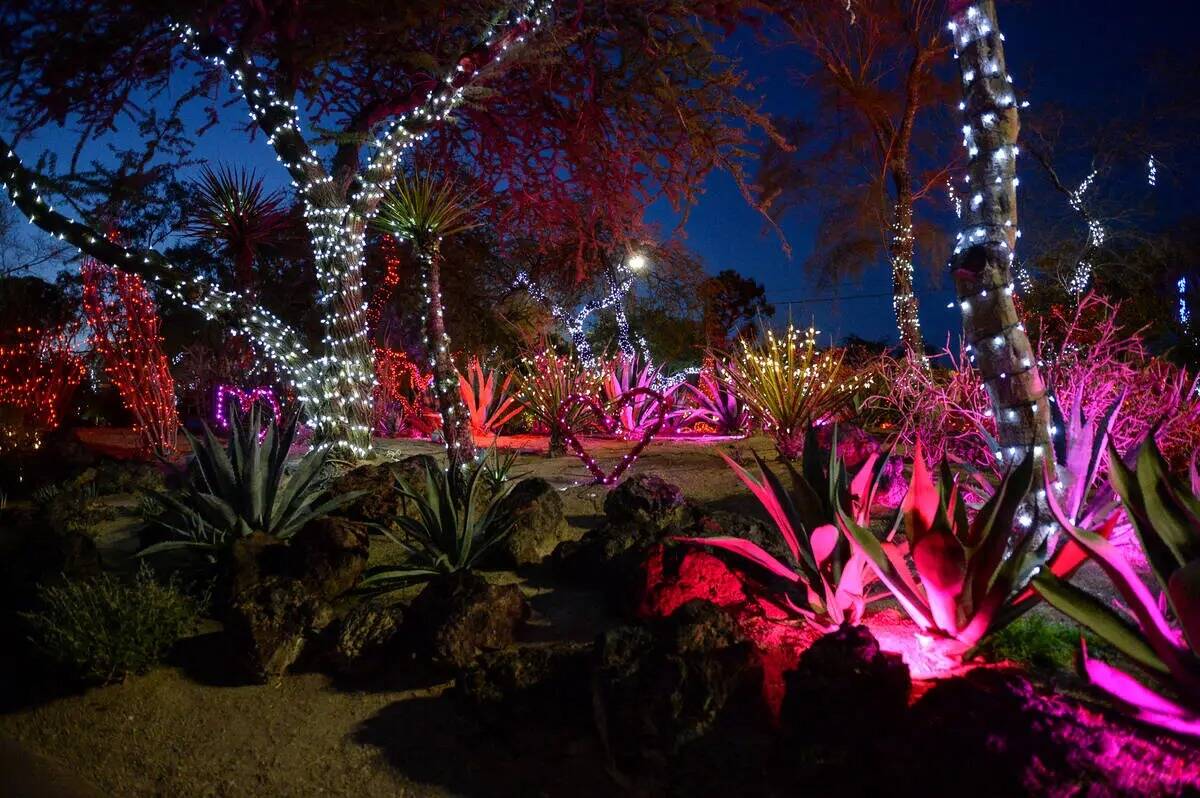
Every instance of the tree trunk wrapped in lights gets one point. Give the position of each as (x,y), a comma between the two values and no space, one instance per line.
(982,263)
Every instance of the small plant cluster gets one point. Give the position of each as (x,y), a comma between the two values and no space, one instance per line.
(106,628)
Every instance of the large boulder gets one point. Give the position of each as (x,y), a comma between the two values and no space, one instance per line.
(364,638)
(458,616)
(645,500)
(662,686)
(675,575)
(539,524)
(381,503)
(545,682)
(252,560)
(841,679)
(329,555)
(270,623)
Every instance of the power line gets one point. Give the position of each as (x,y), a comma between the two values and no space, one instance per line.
(831,298)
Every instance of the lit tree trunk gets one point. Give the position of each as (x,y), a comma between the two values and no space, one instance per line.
(996,340)
(456,423)
(900,253)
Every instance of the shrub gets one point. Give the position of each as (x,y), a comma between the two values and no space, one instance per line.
(104,629)
(718,406)
(1037,642)
(544,383)
(789,384)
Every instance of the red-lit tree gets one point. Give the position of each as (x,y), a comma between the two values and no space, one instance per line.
(124,322)
(39,372)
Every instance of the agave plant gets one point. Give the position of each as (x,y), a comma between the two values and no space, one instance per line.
(490,406)
(1166,516)
(968,568)
(719,406)
(454,527)
(626,374)
(788,384)
(243,488)
(826,577)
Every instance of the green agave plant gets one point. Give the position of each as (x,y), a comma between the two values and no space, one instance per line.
(1165,514)
(454,528)
(242,488)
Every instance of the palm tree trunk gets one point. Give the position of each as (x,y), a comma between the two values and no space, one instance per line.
(456,423)
(996,340)
(901,253)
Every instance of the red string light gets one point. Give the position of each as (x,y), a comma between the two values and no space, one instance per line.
(400,385)
(39,372)
(125,333)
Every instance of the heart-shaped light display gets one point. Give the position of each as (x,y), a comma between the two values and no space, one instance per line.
(611,425)
(245,400)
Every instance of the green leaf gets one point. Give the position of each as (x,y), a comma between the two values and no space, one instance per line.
(1086,609)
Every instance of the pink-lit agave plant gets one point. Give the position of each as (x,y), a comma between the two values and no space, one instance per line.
(489,404)
(967,567)
(719,406)
(827,577)
(1166,516)
(627,377)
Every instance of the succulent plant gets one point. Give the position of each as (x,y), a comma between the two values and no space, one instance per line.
(243,487)
(719,406)
(454,527)
(826,577)
(1165,514)
(490,405)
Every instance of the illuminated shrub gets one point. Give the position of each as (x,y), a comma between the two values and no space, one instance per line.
(788,384)
(488,399)
(545,381)
(39,372)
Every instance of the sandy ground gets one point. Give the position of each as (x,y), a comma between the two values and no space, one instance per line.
(181,731)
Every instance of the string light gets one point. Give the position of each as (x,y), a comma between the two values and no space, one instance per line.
(245,399)
(39,372)
(125,333)
(1152,172)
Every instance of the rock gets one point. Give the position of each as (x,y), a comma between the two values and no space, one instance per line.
(994,733)
(364,637)
(645,500)
(550,682)
(539,524)
(270,623)
(839,681)
(608,558)
(329,555)
(252,560)
(662,686)
(675,575)
(381,502)
(458,616)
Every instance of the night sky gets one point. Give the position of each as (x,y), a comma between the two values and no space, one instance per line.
(1071,53)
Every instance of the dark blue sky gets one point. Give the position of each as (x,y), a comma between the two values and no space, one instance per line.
(1072,54)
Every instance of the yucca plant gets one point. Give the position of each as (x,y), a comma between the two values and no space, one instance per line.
(243,487)
(451,532)
(544,383)
(489,405)
(968,568)
(497,469)
(1165,514)
(788,383)
(719,406)
(233,207)
(826,577)
(424,210)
